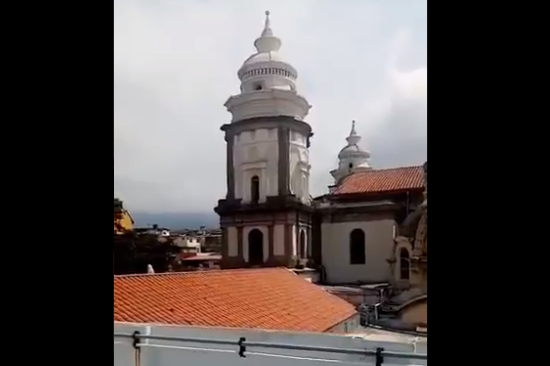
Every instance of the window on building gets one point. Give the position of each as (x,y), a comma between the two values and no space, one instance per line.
(357,247)
(255,189)
(404,264)
(350,165)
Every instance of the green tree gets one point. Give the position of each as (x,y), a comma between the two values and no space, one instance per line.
(133,250)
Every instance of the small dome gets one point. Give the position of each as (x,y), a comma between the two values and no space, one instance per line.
(352,157)
(262,57)
(267,50)
(353,151)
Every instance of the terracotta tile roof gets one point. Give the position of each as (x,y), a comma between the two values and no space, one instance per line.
(383,180)
(265,298)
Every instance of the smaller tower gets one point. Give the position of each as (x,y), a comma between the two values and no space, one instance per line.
(352,157)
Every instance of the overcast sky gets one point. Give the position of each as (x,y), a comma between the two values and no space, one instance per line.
(175,66)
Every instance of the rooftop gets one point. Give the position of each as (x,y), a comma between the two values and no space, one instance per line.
(203,257)
(264,298)
(383,180)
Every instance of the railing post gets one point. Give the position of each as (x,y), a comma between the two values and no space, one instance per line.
(379,357)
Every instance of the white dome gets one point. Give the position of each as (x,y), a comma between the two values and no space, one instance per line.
(353,151)
(268,84)
(262,57)
(266,70)
(352,157)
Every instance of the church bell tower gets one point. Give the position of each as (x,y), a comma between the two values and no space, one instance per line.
(266,215)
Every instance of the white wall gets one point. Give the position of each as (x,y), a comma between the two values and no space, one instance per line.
(279,240)
(299,166)
(378,248)
(256,153)
(232,242)
(172,353)
(193,243)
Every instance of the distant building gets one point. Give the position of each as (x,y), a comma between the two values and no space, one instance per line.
(201,261)
(189,244)
(122,218)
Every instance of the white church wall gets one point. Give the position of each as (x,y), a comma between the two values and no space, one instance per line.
(264,231)
(378,248)
(299,166)
(279,240)
(256,153)
(232,242)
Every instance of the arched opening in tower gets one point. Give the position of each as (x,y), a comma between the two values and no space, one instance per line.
(255,189)
(302,253)
(255,247)
(404,264)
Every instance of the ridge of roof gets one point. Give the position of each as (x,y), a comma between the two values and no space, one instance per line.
(382,180)
(233,270)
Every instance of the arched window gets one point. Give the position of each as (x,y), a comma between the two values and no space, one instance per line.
(255,247)
(404,264)
(302,253)
(255,189)
(357,247)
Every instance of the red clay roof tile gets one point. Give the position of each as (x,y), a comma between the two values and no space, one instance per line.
(383,180)
(265,298)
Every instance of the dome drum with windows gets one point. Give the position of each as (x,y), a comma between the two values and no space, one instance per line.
(268,84)
(267,62)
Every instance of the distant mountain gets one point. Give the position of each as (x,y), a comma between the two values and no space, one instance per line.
(181,220)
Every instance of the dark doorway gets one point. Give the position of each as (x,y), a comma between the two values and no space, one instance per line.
(255,247)
(255,189)
(404,264)
(302,253)
(357,247)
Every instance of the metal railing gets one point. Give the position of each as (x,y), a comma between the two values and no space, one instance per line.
(242,345)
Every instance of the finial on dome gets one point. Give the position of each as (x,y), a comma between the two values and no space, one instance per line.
(353,132)
(267,25)
(353,138)
(267,41)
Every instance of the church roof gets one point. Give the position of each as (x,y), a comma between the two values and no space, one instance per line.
(382,180)
(264,298)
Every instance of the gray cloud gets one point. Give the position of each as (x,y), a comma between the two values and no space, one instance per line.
(176,63)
